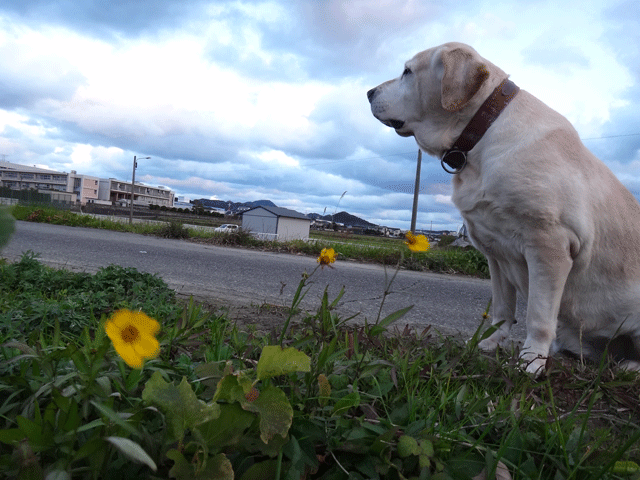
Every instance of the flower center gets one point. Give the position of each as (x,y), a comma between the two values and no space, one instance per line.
(129,334)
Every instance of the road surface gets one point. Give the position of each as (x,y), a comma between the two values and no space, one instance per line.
(451,304)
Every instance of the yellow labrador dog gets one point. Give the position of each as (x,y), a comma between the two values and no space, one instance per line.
(555,224)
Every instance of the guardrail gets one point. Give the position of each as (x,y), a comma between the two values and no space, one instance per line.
(265,236)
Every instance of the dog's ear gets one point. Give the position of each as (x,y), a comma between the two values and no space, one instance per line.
(464,74)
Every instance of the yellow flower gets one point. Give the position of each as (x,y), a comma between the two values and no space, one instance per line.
(417,243)
(134,336)
(327,256)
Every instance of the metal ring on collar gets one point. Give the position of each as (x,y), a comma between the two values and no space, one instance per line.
(456,159)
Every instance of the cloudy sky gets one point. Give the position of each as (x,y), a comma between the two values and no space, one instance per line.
(249,100)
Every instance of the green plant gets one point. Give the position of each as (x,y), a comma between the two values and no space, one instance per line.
(324,398)
(248,414)
(7,226)
(174,230)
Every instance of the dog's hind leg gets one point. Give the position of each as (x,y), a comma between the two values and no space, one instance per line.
(503,307)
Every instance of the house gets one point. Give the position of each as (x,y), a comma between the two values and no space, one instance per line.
(276,223)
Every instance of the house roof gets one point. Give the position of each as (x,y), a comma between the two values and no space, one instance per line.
(281,212)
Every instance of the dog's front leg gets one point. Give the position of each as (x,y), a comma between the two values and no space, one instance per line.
(548,267)
(503,307)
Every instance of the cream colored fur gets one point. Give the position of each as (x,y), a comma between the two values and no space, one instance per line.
(555,224)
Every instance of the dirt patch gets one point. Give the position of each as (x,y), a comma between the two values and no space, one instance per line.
(263,318)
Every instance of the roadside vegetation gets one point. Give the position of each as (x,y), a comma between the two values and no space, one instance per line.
(314,398)
(385,251)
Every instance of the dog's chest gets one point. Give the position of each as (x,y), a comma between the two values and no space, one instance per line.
(489,223)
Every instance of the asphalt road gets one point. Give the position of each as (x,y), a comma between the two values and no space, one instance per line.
(451,304)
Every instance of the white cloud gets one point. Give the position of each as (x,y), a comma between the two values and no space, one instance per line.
(252,100)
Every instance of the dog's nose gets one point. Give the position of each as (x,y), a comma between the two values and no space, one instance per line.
(371,93)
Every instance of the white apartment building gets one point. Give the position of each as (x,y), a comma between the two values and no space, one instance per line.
(72,187)
(117,191)
(22,177)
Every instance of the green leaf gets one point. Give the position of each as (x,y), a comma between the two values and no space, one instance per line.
(89,448)
(276,413)
(180,405)
(229,428)
(216,468)
(407,446)
(233,387)
(426,447)
(32,430)
(625,467)
(132,450)
(350,400)
(11,435)
(262,470)
(274,360)
(382,325)
(115,418)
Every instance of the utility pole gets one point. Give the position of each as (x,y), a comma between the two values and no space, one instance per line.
(133,184)
(416,192)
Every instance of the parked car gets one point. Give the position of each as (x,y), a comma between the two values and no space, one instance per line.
(227,228)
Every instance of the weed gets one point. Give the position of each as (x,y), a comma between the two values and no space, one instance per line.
(6,226)
(174,230)
(321,400)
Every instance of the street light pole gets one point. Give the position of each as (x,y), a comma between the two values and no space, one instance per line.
(416,191)
(133,184)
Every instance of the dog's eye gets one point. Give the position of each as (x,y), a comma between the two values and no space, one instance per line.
(406,72)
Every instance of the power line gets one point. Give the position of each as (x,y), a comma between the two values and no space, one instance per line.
(317,163)
(400,154)
(613,136)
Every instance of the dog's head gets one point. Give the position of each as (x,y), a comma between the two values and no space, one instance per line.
(438,92)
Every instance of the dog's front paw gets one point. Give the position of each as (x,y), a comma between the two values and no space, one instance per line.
(533,363)
(491,343)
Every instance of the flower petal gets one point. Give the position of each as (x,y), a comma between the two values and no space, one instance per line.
(122,318)
(128,354)
(144,323)
(327,256)
(147,346)
(112,331)
(418,243)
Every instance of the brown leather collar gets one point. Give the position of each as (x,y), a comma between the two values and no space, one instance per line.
(456,156)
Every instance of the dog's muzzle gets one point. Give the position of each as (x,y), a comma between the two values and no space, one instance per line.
(377,109)
(397,124)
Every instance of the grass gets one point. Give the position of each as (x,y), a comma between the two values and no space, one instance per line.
(221,401)
(6,225)
(363,249)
